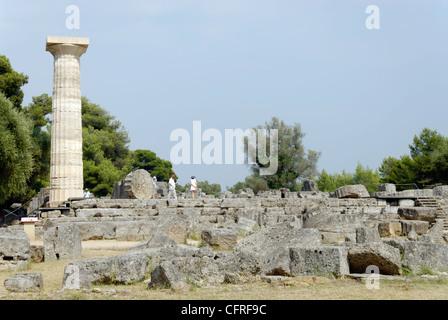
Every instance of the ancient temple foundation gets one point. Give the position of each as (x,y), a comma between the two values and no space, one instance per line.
(66,167)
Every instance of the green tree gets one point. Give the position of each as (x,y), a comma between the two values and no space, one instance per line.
(439,164)
(294,162)
(422,151)
(426,164)
(11,83)
(106,155)
(363,175)
(398,171)
(326,182)
(209,188)
(16,151)
(330,182)
(38,112)
(367,177)
(238,186)
(253,182)
(148,160)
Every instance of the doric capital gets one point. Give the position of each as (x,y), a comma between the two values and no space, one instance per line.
(67,45)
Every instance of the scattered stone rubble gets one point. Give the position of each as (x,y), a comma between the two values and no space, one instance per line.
(244,236)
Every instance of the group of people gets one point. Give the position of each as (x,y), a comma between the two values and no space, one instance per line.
(172,187)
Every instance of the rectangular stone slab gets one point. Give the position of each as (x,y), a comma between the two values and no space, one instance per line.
(52,40)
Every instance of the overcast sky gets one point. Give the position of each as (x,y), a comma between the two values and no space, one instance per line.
(359,94)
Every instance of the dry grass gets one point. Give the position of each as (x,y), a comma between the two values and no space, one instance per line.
(300,288)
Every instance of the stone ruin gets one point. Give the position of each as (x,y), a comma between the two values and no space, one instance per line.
(243,237)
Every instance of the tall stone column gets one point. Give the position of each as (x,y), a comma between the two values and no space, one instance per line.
(66,168)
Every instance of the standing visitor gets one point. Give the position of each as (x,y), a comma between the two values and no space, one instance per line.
(194,185)
(172,186)
(154,183)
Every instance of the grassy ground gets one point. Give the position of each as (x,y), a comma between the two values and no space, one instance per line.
(300,288)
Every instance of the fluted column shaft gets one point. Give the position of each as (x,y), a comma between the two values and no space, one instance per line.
(66,166)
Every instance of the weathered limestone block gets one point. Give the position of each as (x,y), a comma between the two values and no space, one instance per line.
(95,230)
(246,226)
(418,213)
(156,240)
(37,253)
(245,193)
(62,242)
(391,212)
(440,191)
(256,213)
(398,243)
(240,203)
(436,232)
(357,202)
(14,249)
(415,193)
(138,185)
(211,202)
(385,257)
(352,191)
(219,238)
(189,203)
(278,235)
(420,256)
(24,282)
(319,260)
(420,227)
(114,212)
(168,275)
(275,211)
(204,268)
(407,203)
(272,244)
(270,193)
(367,235)
(167,211)
(390,228)
(295,210)
(208,211)
(412,235)
(387,187)
(334,227)
(274,202)
(178,227)
(51,214)
(80,274)
(136,230)
(190,211)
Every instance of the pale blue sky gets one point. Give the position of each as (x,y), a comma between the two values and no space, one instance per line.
(359,95)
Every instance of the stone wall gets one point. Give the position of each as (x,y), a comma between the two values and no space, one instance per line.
(137,219)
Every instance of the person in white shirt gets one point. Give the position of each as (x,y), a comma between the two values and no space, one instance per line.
(172,186)
(154,183)
(194,186)
(87,193)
